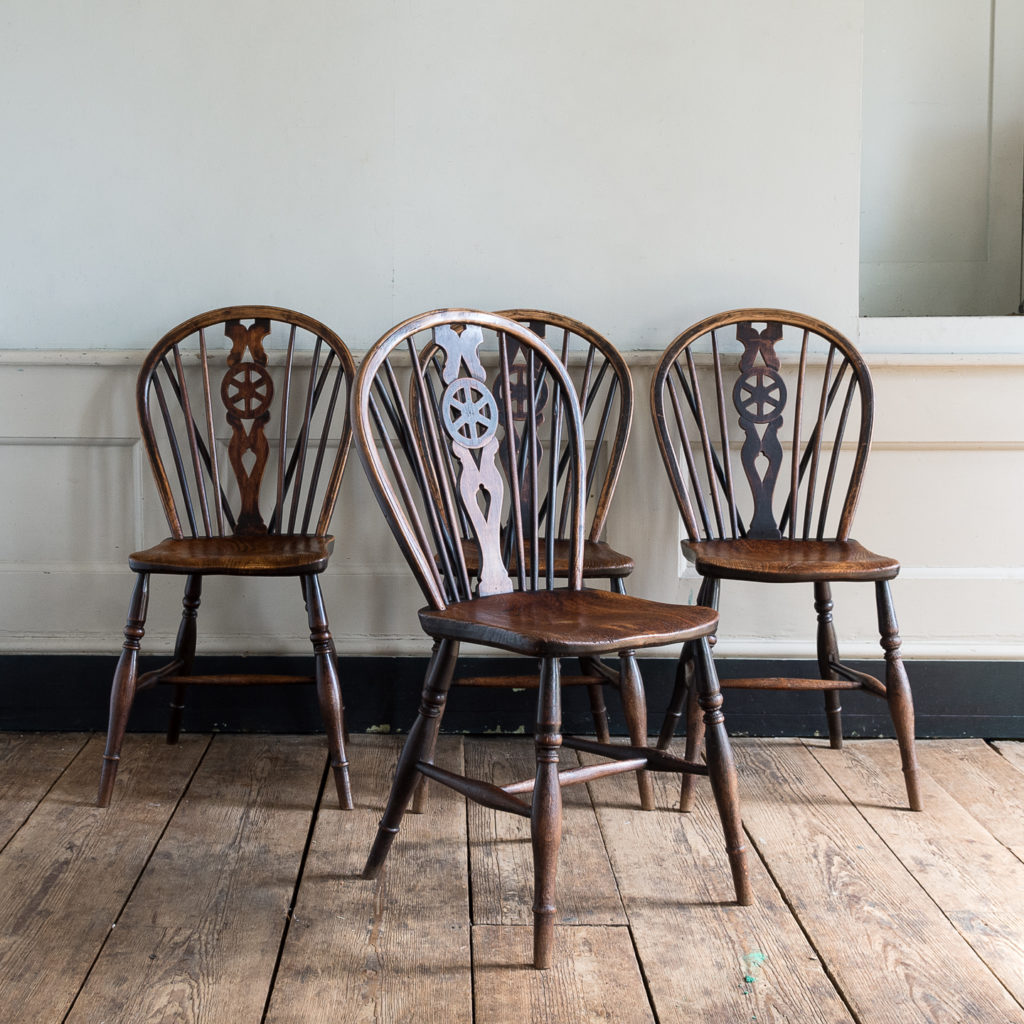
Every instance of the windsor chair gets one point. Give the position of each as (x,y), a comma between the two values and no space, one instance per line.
(453,472)
(605,391)
(223,398)
(729,396)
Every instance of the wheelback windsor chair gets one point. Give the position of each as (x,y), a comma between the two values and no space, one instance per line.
(604,388)
(452,472)
(729,396)
(237,405)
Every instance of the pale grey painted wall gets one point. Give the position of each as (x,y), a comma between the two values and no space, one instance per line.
(636,165)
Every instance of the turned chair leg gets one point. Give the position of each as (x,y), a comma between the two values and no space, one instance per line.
(122,690)
(634,707)
(694,737)
(722,772)
(546,816)
(670,723)
(686,683)
(328,688)
(422,783)
(420,740)
(897,692)
(828,653)
(185,651)
(595,691)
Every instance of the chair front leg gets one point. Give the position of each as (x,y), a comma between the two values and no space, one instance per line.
(328,688)
(185,651)
(707,597)
(546,817)
(897,692)
(722,771)
(419,742)
(422,783)
(122,690)
(634,707)
(828,653)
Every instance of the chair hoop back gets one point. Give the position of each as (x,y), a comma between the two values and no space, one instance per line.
(243,408)
(604,388)
(732,394)
(465,464)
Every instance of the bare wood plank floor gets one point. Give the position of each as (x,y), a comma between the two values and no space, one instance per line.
(223,885)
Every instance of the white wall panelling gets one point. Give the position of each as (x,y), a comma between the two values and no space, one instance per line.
(943,493)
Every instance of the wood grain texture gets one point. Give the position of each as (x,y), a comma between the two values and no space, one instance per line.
(499,847)
(696,946)
(789,561)
(1012,751)
(890,950)
(959,863)
(394,949)
(29,766)
(252,555)
(984,782)
(65,876)
(594,977)
(566,623)
(200,937)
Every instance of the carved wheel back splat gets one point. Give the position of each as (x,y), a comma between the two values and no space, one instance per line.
(469,412)
(759,396)
(247,391)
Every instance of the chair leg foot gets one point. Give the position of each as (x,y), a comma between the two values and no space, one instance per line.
(694,742)
(418,744)
(546,816)
(828,653)
(328,688)
(122,690)
(897,693)
(722,771)
(634,706)
(185,650)
(674,712)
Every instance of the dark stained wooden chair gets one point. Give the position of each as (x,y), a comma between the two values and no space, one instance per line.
(764,421)
(604,388)
(451,476)
(244,417)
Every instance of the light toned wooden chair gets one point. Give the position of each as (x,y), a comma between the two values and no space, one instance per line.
(244,417)
(764,422)
(453,472)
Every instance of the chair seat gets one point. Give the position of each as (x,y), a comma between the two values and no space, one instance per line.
(789,561)
(259,555)
(600,560)
(568,623)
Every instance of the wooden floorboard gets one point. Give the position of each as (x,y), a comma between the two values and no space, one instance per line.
(705,958)
(1013,751)
(501,857)
(890,950)
(201,895)
(66,874)
(983,781)
(199,939)
(29,766)
(396,948)
(975,881)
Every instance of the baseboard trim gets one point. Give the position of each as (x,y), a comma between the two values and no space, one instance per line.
(70,692)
